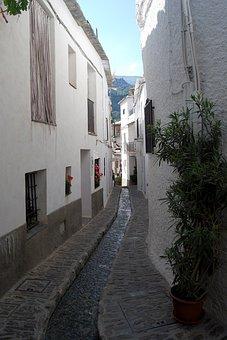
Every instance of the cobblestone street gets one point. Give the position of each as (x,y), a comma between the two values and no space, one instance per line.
(26,308)
(136,303)
(77,314)
(114,291)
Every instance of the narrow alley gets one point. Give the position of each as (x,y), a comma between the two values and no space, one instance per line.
(113,170)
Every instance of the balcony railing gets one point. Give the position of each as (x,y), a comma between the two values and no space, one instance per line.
(91,116)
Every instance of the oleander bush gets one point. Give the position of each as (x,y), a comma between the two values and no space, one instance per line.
(191,142)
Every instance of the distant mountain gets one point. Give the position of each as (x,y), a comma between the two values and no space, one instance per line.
(119,90)
(129,79)
(120,83)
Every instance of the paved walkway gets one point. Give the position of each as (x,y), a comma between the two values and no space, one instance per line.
(25,310)
(76,316)
(135,303)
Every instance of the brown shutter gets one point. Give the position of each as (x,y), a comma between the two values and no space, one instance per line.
(149,122)
(42,103)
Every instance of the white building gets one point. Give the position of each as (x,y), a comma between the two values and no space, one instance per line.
(116,145)
(140,97)
(54,132)
(134,159)
(184,46)
(128,135)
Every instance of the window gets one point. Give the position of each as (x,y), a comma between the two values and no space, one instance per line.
(104,167)
(42,92)
(35,198)
(91,102)
(72,66)
(149,122)
(31,200)
(68,181)
(97,173)
(137,128)
(91,116)
(107,129)
(123,111)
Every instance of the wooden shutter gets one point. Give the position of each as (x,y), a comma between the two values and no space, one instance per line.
(149,122)
(42,107)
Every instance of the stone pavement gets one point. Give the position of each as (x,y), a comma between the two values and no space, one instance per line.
(135,303)
(25,310)
(76,316)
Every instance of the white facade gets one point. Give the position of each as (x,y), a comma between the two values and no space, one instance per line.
(27,146)
(128,135)
(184,45)
(140,97)
(133,137)
(116,144)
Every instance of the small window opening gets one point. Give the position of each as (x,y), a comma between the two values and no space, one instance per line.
(97,173)
(35,198)
(91,99)
(107,129)
(72,66)
(31,200)
(68,181)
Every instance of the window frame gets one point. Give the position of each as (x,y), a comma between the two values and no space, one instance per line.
(72,59)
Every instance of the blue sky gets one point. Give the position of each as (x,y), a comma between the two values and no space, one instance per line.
(118,33)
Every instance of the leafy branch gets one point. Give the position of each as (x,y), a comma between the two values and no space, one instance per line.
(14,7)
(191,143)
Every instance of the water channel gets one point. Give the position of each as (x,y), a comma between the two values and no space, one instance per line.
(76,315)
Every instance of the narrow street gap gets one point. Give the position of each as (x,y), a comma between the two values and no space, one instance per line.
(76,315)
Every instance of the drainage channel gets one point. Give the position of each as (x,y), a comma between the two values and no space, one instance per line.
(76,315)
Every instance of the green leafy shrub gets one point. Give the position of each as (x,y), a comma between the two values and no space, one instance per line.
(15,7)
(191,144)
(118,180)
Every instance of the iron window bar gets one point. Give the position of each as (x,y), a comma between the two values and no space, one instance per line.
(31,200)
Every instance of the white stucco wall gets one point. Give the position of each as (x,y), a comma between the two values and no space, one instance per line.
(28,146)
(160,24)
(126,106)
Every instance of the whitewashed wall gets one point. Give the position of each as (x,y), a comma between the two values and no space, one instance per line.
(27,146)
(141,156)
(126,105)
(160,24)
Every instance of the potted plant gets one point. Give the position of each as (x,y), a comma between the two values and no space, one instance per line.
(191,143)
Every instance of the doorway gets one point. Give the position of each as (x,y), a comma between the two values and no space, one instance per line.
(85,157)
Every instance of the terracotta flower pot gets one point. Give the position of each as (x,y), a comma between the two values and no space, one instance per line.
(187,312)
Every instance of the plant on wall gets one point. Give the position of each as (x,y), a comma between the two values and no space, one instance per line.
(97,173)
(191,144)
(14,7)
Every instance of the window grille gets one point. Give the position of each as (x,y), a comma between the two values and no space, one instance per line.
(149,122)
(91,116)
(97,173)
(31,200)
